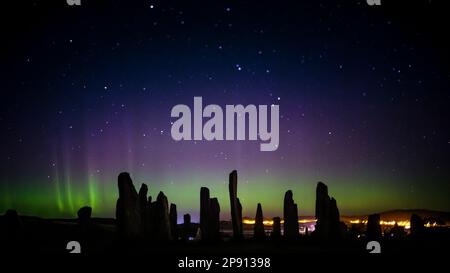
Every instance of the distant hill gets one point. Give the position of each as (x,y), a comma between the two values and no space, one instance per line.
(405,214)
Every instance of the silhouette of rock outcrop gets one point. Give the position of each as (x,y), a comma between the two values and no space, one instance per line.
(276,228)
(327,214)
(373,227)
(209,216)
(128,214)
(173,221)
(417,225)
(290,215)
(258,230)
(236,207)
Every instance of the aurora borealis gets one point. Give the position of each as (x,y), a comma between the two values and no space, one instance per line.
(87,92)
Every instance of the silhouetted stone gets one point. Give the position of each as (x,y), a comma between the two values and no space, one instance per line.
(239,220)
(186,230)
(214,219)
(397,232)
(373,227)
(235,206)
(258,230)
(162,220)
(276,227)
(290,215)
(84,216)
(150,218)
(417,225)
(209,216)
(173,221)
(127,209)
(328,224)
(204,213)
(143,208)
(13,225)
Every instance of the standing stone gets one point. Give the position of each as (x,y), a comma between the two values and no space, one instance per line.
(335,223)
(186,231)
(239,213)
(127,208)
(276,227)
(214,220)
(209,216)
(258,230)
(328,224)
(162,220)
(204,213)
(322,211)
(143,207)
(373,227)
(150,219)
(290,212)
(236,207)
(417,225)
(173,221)
(13,226)
(84,217)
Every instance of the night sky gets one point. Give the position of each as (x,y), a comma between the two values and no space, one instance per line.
(87,92)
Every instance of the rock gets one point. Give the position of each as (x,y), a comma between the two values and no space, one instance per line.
(186,230)
(162,220)
(235,206)
(13,225)
(258,230)
(143,208)
(214,219)
(373,232)
(417,225)
(209,216)
(276,228)
(204,214)
(328,225)
(84,216)
(173,221)
(322,211)
(127,209)
(290,214)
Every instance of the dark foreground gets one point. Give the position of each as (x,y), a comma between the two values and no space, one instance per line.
(37,235)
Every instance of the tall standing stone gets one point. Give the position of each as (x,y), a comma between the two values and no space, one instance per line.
(127,208)
(173,221)
(373,231)
(276,228)
(143,207)
(236,207)
(209,216)
(204,213)
(290,214)
(322,210)
(258,230)
(328,225)
(162,220)
(214,220)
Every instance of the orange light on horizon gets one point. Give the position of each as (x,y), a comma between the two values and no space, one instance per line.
(270,222)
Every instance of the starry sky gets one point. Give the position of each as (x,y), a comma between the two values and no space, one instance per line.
(87,92)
